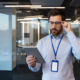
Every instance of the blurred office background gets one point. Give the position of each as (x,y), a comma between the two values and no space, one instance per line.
(24,23)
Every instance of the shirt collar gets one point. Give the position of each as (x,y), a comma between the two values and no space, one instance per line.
(57,37)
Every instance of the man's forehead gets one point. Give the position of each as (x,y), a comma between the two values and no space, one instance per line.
(56,18)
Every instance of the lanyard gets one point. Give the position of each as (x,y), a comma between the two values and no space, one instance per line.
(55,53)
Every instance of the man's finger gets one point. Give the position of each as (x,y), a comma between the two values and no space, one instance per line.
(30,56)
(32,61)
(32,65)
(29,59)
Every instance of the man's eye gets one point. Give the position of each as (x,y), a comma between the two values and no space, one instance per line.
(57,22)
(52,22)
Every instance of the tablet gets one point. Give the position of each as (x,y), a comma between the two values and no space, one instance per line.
(32,50)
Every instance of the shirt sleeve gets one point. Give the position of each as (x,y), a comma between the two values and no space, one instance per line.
(36,68)
(75,43)
(38,65)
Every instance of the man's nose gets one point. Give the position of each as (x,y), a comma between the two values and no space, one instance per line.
(54,25)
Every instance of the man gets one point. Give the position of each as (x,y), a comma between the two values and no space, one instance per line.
(57,49)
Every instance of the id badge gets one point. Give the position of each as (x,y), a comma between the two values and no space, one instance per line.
(54,66)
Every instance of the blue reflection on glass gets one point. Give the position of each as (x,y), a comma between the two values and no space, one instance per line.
(13,21)
(4,21)
(44,26)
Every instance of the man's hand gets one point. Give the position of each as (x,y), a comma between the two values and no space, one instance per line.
(31,60)
(66,26)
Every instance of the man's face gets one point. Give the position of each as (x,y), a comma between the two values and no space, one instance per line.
(55,25)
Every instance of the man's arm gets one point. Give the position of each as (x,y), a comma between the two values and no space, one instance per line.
(36,68)
(31,62)
(75,43)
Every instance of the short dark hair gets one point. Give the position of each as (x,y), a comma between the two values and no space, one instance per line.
(55,12)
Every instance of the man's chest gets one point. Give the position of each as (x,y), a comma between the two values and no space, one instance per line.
(64,50)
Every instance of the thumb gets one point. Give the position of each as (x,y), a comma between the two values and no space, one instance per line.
(62,23)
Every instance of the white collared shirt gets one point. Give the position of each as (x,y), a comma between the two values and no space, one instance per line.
(69,44)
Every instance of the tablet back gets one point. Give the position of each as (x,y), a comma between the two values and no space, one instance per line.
(34,51)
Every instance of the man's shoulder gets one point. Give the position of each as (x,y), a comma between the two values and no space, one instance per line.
(45,38)
(42,41)
(66,38)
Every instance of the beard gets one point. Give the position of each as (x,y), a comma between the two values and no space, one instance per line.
(56,32)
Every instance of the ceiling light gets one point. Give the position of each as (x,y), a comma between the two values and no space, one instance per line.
(11,5)
(68,19)
(28,18)
(47,7)
(31,22)
(43,18)
(25,19)
(23,6)
(28,11)
(31,17)
(36,16)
